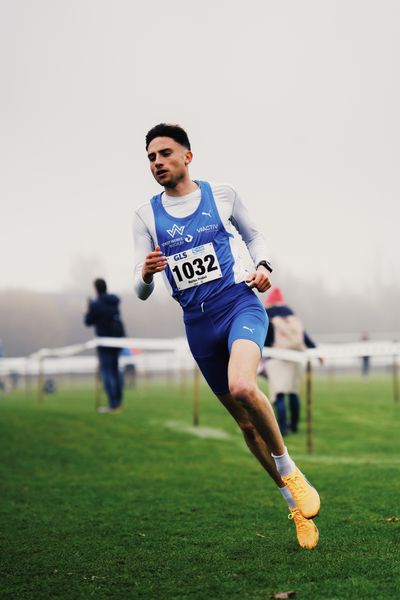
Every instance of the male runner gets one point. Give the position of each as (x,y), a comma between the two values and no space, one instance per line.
(185,232)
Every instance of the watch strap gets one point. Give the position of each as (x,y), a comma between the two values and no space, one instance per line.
(266,264)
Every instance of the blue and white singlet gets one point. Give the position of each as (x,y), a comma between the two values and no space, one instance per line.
(200,260)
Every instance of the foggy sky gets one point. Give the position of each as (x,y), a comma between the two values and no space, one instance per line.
(293,103)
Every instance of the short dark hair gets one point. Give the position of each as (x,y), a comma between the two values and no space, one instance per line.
(175,132)
(100,286)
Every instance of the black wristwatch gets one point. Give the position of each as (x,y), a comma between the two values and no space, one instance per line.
(266,264)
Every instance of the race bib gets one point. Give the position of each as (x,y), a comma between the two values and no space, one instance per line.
(194,266)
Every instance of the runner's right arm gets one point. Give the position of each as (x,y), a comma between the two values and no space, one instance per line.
(144,245)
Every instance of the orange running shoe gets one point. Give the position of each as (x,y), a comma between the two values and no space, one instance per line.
(304,494)
(306,530)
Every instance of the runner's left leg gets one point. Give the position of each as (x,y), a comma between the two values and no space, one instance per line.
(251,436)
(244,392)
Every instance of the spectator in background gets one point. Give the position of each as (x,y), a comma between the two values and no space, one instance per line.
(129,367)
(104,314)
(365,360)
(285,331)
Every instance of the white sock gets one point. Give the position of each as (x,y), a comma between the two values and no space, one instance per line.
(288,497)
(284,463)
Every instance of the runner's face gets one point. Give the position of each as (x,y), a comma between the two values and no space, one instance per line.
(168,161)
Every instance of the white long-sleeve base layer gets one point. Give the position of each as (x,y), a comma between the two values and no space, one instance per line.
(234,216)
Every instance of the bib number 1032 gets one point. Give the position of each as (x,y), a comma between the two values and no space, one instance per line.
(195,266)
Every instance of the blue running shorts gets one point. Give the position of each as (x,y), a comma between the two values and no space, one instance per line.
(212,328)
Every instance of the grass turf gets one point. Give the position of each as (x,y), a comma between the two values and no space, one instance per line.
(133,506)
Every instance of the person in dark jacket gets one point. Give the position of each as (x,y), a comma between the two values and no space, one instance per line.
(104,314)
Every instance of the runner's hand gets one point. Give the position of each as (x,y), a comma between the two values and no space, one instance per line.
(260,279)
(155,262)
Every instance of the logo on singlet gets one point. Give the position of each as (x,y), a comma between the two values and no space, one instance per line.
(204,228)
(175,229)
(207,214)
(248,328)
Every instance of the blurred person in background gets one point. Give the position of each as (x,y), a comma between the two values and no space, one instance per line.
(285,332)
(129,367)
(103,313)
(186,232)
(365,360)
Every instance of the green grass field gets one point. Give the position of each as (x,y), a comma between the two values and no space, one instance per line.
(137,506)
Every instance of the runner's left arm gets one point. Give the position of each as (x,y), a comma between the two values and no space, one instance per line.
(255,242)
